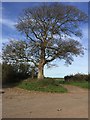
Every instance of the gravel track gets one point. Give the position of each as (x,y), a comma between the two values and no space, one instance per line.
(19,103)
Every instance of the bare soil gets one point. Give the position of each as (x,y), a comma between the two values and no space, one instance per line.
(19,103)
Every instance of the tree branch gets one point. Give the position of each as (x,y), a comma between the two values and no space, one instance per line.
(36,35)
(30,38)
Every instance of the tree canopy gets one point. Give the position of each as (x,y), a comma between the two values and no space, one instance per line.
(50,31)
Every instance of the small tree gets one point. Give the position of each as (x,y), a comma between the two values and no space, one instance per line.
(49,30)
(15,54)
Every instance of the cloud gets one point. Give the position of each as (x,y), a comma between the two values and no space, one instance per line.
(8,23)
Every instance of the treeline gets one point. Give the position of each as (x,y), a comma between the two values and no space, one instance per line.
(77,78)
(14,73)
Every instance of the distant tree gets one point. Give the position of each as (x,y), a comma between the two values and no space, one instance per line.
(49,30)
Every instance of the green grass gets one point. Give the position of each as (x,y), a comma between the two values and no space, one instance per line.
(83,84)
(46,85)
(53,85)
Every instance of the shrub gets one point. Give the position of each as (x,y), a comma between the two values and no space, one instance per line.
(15,73)
(8,73)
(68,78)
(77,77)
(88,78)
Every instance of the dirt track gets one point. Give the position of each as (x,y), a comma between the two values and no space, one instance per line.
(18,103)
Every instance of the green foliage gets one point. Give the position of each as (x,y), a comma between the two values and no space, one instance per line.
(15,73)
(77,77)
(8,73)
(80,80)
(46,85)
(88,78)
(16,53)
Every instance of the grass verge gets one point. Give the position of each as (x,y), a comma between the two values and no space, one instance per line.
(44,85)
(83,84)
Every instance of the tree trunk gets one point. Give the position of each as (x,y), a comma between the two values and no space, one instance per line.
(41,63)
(40,72)
(32,76)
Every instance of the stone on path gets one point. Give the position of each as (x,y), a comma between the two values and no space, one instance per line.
(2,91)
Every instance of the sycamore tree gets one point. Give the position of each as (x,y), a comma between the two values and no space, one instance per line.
(50,30)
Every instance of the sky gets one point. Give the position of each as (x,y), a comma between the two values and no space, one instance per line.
(10,13)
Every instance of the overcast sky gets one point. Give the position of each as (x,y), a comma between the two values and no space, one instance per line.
(10,13)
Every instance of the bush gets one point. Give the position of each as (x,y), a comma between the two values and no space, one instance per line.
(88,78)
(15,73)
(77,77)
(68,78)
(8,73)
